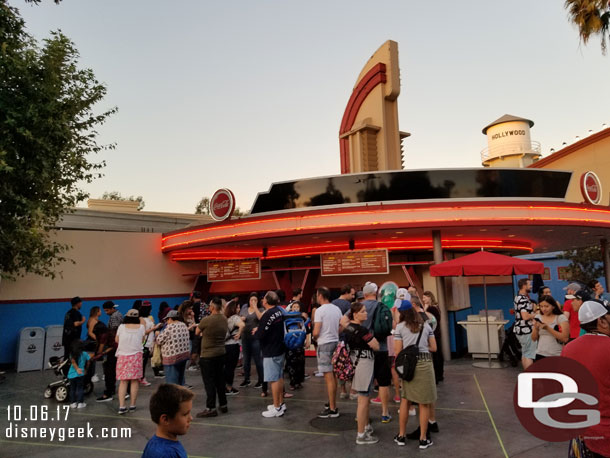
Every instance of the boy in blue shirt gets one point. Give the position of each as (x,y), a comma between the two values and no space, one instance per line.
(79,362)
(170,408)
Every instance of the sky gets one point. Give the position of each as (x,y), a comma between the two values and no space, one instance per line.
(241,94)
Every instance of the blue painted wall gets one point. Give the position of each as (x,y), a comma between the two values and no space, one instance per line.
(41,314)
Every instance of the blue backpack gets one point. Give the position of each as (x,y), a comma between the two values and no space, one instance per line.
(294,330)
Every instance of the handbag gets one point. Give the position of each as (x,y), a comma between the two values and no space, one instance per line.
(406,360)
(157,357)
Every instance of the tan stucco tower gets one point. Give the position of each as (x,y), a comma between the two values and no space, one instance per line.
(369,137)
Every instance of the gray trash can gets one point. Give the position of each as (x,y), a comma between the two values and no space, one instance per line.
(30,349)
(52,345)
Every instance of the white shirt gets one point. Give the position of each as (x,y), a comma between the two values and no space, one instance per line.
(130,340)
(329,315)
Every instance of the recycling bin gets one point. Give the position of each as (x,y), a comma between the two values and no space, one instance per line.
(30,349)
(53,346)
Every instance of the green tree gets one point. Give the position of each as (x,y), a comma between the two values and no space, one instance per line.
(115,195)
(584,263)
(592,17)
(203,207)
(47,134)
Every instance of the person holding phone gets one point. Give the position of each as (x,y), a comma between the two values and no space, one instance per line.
(551,329)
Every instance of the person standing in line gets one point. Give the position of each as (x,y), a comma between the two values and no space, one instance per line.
(91,341)
(295,358)
(598,291)
(129,338)
(79,360)
(326,332)
(592,350)
(73,325)
(431,306)
(362,344)
(235,328)
(251,314)
(175,348)
(570,311)
(344,301)
(413,330)
(213,330)
(524,314)
(551,328)
(270,332)
(149,341)
(115,318)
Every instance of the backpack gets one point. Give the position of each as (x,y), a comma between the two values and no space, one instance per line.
(406,360)
(343,367)
(382,322)
(294,330)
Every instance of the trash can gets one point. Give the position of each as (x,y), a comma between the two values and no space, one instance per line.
(30,349)
(52,345)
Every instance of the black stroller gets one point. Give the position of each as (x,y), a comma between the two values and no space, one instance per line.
(60,388)
(511,348)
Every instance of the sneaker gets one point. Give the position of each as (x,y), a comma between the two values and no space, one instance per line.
(122,410)
(275,412)
(231,392)
(271,407)
(353,396)
(74,405)
(207,413)
(377,400)
(81,405)
(415,434)
(423,445)
(145,382)
(159,376)
(412,412)
(369,429)
(343,395)
(95,379)
(328,413)
(366,439)
(193,368)
(307,376)
(397,399)
(245,384)
(132,408)
(104,398)
(223,409)
(258,385)
(288,395)
(433,427)
(386,418)
(318,374)
(400,440)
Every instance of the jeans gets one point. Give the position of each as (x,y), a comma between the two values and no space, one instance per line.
(77,389)
(252,349)
(232,357)
(110,374)
(212,373)
(174,373)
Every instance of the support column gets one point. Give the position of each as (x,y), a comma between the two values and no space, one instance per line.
(440,290)
(606,259)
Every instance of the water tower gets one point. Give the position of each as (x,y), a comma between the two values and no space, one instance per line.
(509,143)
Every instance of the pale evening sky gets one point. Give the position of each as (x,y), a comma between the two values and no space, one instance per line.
(240,94)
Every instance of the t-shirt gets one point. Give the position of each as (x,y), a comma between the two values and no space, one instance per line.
(233,329)
(213,332)
(547,343)
(71,332)
(592,351)
(357,338)
(84,357)
(130,340)
(404,334)
(270,332)
(343,304)
(158,447)
(522,303)
(251,320)
(574,322)
(329,316)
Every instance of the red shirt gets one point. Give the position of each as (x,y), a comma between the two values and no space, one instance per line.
(593,352)
(574,323)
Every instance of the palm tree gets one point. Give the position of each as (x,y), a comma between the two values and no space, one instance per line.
(592,17)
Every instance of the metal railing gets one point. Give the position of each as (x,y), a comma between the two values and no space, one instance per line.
(511,149)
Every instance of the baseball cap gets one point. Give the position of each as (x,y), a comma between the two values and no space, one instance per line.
(591,311)
(172,314)
(369,288)
(573,286)
(581,295)
(402,293)
(146,303)
(133,313)
(405,305)
(109,305)
(359,295)
(75,300)
(570,296)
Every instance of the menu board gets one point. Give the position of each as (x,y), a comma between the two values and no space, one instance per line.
(234,269)
(355,262)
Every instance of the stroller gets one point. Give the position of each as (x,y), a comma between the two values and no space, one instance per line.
(511,348)
(60,388)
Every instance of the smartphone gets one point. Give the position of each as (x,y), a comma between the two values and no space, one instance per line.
(538,320)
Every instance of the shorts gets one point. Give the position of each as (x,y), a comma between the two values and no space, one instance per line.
(528,346)
(382,371)
(324,353)
(273,368)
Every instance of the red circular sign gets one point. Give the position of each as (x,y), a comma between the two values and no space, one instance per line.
(222,204)
(591,188)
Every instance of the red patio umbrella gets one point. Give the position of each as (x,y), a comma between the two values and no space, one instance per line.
(485,263)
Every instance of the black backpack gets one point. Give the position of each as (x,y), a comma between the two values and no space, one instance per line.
(406,360)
